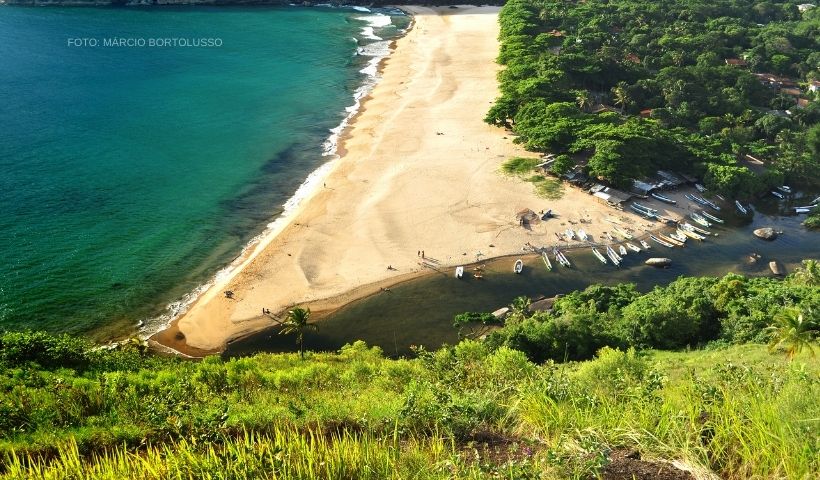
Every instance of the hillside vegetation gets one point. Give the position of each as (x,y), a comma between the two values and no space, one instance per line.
(688,85)
(479,409)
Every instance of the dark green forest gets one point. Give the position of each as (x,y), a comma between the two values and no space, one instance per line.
(626,87)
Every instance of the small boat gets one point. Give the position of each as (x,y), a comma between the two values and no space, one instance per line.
(778,195)
(692,228)
(700,187)
(598,254)
(582,235)
(622,233)
(690,234)
(570,234)
(699,219)
(720,198)
(644,207)
(616,259)
(643,212)
(622,250)
(695,198)
(561,258)
(633,247)
(741,208)
(662,242)
(677,236)
(711,217)
(478,274)
(645,245)
(785,189)
(519,266)
(802,210)
(546,259)
(459,271)
(663,198)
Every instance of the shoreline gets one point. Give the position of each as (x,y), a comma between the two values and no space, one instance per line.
(431,93)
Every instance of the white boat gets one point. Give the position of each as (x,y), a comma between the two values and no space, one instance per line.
(582,235)
(785,189)
(598,254)
(802,210)
(662,242)
(741,208)
(547,262)
(643,212)
(459,271)
(699,219)
(645,245)
(778,194)
(622,233)
(692,228)
(561,258)
(690,234)
(616,259)
(622,250)
(633,247)
(711,217)
(519,266)
(677,236)
(663,198)
(570,234)
(644,207)
(700,187)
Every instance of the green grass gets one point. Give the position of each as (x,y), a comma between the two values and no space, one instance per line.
(460,412)
(519,166)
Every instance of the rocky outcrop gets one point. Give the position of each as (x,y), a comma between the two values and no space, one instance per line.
(659,262)
(767,233)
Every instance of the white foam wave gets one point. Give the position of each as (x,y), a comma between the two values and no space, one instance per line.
(367,32)
(378,20)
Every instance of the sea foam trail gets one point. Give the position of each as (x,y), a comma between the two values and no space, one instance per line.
(377,51)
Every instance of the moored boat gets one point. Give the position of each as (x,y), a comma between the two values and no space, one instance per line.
(785,189)
(663,198)
(645,245)
(677,236)
(700,187)
(644,207)
(778,194)
(519,266)
(582,235)
(741,208)
(661,242)
(459,271)
(699,219)
(644,213)
(622,250)
(690,234)
(570,234)
(561,258)
(711,217)
(546,259)
(633,247)
(598,255)
(616,259)
(692,228)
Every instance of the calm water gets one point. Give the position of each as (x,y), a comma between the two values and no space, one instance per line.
(130,175)
(420,312)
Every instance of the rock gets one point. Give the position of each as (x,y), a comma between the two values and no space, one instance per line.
(659,262)
(777,268)
(767,233)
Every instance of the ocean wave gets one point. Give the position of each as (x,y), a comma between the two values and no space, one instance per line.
(367,32)
(378,20)
(360,9)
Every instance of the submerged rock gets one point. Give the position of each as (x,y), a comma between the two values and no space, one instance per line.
(659,262)
(767,233)
(777,268)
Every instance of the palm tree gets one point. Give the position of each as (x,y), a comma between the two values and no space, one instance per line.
(621,95)
(519,308)
(790,330)
(809,273)
(297,322)
(584,100)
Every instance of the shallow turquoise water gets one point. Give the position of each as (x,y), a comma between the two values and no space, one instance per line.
(129,175)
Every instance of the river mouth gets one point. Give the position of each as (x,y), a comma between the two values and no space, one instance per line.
(420,312)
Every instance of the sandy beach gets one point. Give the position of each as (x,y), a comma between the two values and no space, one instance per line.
(419,171)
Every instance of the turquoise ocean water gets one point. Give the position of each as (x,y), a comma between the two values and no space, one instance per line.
(129,175)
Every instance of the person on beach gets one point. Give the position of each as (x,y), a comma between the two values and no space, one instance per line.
(422,254)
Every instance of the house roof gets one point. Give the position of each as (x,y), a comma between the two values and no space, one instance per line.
(791,91)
